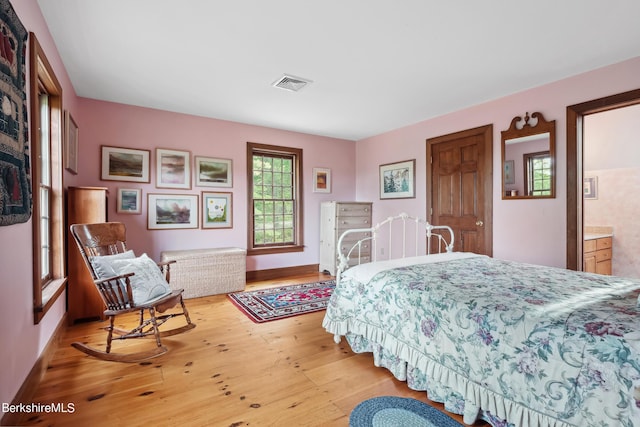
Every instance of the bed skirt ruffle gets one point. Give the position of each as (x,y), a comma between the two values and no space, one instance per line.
(424,373)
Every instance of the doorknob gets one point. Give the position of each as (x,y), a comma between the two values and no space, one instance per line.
(479,223)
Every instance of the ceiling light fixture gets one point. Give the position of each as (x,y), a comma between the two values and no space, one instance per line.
(291,83)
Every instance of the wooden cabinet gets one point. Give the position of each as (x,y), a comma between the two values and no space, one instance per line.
(84,205)
(598,255)
(335,218)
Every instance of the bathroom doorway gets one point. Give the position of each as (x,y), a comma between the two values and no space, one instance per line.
(576,115)
(611,153)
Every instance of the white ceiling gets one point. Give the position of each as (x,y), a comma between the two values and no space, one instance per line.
(376,65)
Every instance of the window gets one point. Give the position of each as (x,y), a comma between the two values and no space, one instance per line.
(46,179)
(537,173)
(275,199)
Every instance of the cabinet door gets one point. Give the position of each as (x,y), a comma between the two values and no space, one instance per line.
(604,243)
(604,267)
(590,262)
(84,205)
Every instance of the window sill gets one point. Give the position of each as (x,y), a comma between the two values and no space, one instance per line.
(49,295)
(275,250)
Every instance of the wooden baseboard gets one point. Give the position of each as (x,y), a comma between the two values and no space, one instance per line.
(275,273)
(25,393)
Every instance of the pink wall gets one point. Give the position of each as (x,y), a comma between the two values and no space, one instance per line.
(125,126)
(523,230)
(104,123)
(111,124)
(21,340)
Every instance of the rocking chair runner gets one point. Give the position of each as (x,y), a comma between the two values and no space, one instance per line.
(106,242)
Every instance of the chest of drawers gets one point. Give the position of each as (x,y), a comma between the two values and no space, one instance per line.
(335,218)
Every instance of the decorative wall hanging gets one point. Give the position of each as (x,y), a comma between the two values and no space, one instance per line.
(70,143)
(211,172)
(591,187)
(125,164)
(398,180)
(15,185)
(321,180)
(170,211)
(129,201)
(173,168)
(217,210)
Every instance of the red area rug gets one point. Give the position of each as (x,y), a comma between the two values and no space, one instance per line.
(265,305)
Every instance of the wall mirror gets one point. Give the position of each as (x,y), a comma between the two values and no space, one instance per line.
(528,158)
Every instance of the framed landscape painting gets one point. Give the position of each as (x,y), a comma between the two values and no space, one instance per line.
(129,201)
(398,180)
(173,168)
(212,172)
(124,164)
(217,210)
(172,211)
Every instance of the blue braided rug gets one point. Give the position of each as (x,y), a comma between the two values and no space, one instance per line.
(388,411)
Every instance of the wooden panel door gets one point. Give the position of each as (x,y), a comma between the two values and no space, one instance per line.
(459,193)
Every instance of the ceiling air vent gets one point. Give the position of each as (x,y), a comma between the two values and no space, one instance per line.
(291,83)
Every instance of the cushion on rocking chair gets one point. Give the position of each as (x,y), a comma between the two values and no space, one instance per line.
(102,264)
(148,282)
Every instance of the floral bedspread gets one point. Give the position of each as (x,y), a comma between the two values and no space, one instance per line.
(513,343)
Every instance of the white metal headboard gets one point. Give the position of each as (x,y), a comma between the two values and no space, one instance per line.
(422,229)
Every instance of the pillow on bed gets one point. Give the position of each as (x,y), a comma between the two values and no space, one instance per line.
(102,265)
(148,282)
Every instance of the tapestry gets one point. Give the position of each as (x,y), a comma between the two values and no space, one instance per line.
(15,186)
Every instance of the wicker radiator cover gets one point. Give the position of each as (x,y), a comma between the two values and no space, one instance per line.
(202,272)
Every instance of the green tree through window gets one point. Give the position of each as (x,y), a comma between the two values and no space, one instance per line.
(539,174)
(275,198)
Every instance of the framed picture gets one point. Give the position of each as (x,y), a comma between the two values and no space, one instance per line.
(129,201)
(173,168)
(172,211)
(398,180)
(211,172)
(591,188)
(125,164)
(217,210)
(509,177)
(70,143)
(321,180)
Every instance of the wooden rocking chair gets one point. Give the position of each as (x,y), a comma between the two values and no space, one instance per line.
(102,247)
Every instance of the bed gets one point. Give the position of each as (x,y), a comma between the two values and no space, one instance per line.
(511,343)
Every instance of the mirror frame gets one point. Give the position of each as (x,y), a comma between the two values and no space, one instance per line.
(527,129)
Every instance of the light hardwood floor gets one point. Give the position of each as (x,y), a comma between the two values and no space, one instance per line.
(228,371)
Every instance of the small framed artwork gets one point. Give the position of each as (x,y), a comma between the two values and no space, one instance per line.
(398,180)
(173,168)
(172,211)
(129,201)
(211,172)
(321,180)
(591,187)
(70,143)
(217,210)
(125,164)
(509,177)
